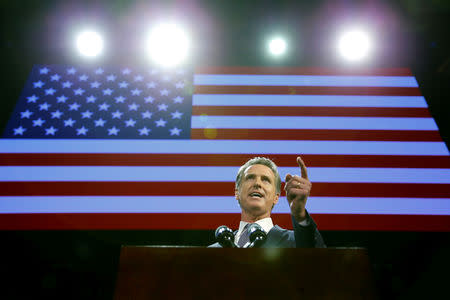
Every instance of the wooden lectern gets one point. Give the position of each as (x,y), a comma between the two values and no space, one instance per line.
(264,273)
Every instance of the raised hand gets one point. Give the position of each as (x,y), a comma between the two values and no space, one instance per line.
(297,190)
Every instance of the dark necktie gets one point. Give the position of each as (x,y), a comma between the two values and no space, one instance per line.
(243,239)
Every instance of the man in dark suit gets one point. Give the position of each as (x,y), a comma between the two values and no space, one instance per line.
(257,189)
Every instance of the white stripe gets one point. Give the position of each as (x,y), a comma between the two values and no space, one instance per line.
(315,205)
(219,174)
(383,206)
(222,147)
(373,175)
(305,80)
(308,100)
(276,122)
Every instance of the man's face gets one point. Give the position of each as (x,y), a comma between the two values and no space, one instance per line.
(257,192)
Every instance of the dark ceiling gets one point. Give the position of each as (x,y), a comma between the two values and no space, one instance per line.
(409,33)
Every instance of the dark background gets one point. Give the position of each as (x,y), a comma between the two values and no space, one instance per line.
(83,264)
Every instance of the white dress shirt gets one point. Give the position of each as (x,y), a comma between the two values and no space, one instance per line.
(266,224)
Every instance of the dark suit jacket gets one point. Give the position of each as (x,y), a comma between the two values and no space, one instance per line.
(301,237)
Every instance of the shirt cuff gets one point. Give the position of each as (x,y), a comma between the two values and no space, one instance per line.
(305,222)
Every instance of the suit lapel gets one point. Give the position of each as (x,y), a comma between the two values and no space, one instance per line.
(275,235)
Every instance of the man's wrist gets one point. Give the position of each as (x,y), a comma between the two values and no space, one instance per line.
(301,217)
(301,222)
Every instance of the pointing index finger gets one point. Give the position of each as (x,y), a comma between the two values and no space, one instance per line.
(302,166)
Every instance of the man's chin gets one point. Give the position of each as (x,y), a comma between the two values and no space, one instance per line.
(255,206)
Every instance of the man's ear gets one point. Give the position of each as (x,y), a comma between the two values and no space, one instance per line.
(236,195)
(275,201)
(277,197)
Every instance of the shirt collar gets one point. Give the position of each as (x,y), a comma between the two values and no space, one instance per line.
(265,223)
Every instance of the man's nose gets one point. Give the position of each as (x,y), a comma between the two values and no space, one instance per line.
(257,182)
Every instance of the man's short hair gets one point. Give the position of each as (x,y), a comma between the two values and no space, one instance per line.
(259,161)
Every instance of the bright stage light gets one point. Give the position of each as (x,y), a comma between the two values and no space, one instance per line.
(89,43)
(354,45)
(277,46)
(168,45)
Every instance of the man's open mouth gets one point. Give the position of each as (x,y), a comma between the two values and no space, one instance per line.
(256,194)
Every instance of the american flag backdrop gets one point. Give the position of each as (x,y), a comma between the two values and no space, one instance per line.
(131,148)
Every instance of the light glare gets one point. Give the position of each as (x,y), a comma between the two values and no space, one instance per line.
(354,45)
(168,45)
(277,46)
(89,43)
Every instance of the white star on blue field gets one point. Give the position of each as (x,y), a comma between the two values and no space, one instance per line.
(61,102)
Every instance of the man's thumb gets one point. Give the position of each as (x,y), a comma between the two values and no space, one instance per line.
(287,178)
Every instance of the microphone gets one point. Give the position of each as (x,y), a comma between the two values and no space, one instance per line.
(225,237)
(256,235)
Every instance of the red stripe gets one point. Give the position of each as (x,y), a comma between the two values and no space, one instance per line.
(305,71)
(307,90)
(282,160)
(212,221)
(374,222)
(316,134)
(120,188)
(413,112)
